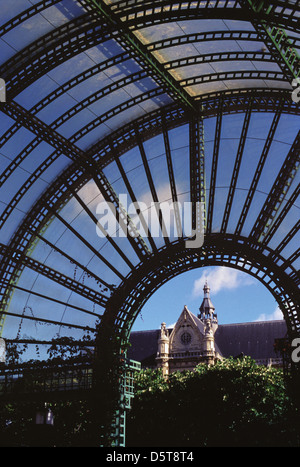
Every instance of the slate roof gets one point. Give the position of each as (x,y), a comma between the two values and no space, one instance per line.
(253,339)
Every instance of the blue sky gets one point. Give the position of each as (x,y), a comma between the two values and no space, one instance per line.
(237,297)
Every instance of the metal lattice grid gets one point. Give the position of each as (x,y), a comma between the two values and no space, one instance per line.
(165,101)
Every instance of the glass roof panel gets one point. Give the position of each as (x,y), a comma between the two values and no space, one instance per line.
(290,218)
(257,203)
(124,199)
(179,144)
(6,51)
(237,205)
(72,245)
(139,183)
(283,230)
(27,32)
(36,92)
(82,89)
(62,12)
(15,145)
(186,28)
(287,129)
(252,153)
(9,228)
(221,194)
(9,11)
(73,66)
(272,166)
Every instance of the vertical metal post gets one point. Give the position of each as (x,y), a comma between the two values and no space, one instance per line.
(197,177)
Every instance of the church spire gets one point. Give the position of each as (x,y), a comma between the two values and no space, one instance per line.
(207,310)
(209,319)
(206,290)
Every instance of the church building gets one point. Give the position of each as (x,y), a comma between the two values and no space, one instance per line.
(201,339)
(191,341)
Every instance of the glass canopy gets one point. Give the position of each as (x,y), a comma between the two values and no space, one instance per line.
(119,102)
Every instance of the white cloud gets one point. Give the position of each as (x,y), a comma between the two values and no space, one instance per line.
(277,314)
(171,325)
(221,278)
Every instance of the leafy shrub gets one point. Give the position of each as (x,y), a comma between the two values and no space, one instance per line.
(233,403)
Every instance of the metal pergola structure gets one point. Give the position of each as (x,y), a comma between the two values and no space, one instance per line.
(160,101)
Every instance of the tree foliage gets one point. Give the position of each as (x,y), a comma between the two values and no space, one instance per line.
(233,403)
(74,423)
(84,422)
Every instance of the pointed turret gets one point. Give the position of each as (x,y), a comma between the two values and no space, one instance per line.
(207,310)
(209,319)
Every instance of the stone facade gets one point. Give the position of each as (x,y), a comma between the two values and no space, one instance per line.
(191,341)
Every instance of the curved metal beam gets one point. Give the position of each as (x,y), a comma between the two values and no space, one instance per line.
(220,35)
(45,132)
(84,32)
(258,171)
(278,191)
(140,14)
(236,169)
(153,123)
(19,258)
(47,52)
(25,15)
(218,249)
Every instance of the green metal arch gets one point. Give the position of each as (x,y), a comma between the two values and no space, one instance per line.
(109,150)
(218,249)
